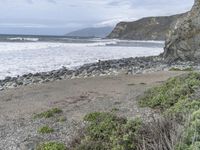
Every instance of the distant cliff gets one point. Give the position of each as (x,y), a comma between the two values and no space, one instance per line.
(151,28)
(101,32)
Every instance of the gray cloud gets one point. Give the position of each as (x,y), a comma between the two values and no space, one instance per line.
(83,13)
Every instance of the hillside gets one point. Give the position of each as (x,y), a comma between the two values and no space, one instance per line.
(91,32)
(151,28)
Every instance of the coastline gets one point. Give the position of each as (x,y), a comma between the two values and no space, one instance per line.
(138,65)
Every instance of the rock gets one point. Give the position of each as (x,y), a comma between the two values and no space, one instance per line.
(1,88)
(30,143)
(183,42)
(28,146)
(7,79)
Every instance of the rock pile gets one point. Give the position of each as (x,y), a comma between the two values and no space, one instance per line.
(111,67)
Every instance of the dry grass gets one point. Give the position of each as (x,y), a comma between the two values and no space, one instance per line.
(162,134)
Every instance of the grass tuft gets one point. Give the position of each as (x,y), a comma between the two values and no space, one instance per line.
(178,69)
(52,146)
(49,113)
(61,119)
(45,130)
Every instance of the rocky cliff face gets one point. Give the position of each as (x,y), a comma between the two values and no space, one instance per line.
(151,28)
(183,42)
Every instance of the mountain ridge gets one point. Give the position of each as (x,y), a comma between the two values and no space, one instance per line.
(148,28)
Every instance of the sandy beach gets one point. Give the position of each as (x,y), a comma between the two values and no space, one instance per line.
(76,97)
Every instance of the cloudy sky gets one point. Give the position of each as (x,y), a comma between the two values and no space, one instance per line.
(61,16)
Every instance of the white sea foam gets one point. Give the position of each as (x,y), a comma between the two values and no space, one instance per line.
(23,39)
(21,58)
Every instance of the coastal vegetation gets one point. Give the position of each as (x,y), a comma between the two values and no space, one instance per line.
(172,92)
(178,98)
(106,131)
(178,127)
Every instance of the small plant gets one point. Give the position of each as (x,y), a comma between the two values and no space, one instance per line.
(115,109)
(142,83)
(49,113)
(188,69)
(175,69)
(178,69)
(45,130)
(131,84)
(52,146)
(61,119)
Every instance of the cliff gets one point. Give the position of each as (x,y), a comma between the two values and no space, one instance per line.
(151,28)
(183,40)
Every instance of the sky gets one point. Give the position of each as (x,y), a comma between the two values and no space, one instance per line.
(58,17)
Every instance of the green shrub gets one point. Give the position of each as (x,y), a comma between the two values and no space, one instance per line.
(45,129)
(182,108)
(174,98)
(168,94)
(106,131)
(178,69)
(52,146)
(49,113)
(191,136)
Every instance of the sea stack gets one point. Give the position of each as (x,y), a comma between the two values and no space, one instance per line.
(183,40)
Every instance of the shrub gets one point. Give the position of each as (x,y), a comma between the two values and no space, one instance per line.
(175,98)
(159,134)
(168,94)
(191,137)
(183,108)
(52,146)
(48,113)
(106,131)
(45,129)
(178,69)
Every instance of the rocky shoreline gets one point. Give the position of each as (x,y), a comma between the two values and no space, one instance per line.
(136,65)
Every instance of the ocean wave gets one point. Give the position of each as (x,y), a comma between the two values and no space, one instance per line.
(22,39)
(18,58)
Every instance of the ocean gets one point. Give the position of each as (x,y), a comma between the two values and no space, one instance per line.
(30,54)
